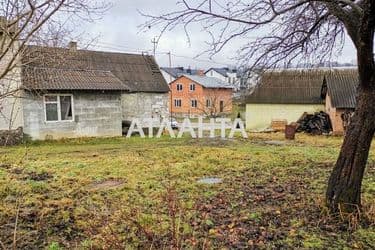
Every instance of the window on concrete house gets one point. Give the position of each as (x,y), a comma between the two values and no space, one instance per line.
(177,102)
(66,108)
(179,87)
(194,103)
(58,107)
(208,103)
(192,87)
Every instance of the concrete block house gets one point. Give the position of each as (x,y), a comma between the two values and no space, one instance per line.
(67,93)
(197,95)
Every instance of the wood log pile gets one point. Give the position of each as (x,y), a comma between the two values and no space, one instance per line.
(316,124)
(11,137)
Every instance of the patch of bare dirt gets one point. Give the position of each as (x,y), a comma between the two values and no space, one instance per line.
(23,174)
(5,165)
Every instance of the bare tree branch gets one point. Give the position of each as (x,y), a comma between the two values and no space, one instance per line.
(314,28)
(36,22)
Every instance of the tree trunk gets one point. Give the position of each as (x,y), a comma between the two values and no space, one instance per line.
(344,186)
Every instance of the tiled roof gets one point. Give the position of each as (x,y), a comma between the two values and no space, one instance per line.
(209,82)
(139,73)
(342,88)
(63,79)
(289,87)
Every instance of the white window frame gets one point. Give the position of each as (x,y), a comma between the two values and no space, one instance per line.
(177,85)
(192,87)
(176,102)
(221,108)
(208,103)
(191,103)
(58,107)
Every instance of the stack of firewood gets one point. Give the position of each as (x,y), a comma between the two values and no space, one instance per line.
(316,124)
(11,137)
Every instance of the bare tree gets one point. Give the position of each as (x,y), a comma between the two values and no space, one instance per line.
(35,22)
(291,31)
(214,103)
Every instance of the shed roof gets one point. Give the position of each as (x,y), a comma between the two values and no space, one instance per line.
(140,73)
(342,88)
(289,87)
(209,82)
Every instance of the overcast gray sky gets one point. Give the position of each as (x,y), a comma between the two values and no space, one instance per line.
(119,31)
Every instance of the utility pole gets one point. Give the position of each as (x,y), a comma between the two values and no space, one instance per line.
(170,80)
(170,64)
(155,42)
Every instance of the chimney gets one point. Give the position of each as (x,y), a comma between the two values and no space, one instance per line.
(72,46)
(200,72)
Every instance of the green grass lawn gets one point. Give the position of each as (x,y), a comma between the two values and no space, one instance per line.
(143,193)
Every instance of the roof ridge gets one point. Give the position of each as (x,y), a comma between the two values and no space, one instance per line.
(87,50)
(67,69)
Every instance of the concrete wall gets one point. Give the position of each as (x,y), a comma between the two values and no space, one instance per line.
(95,114)
(10,106)
(259,116)
(11,116)
(144,105)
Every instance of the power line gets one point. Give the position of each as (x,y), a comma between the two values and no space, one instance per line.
(120,48)
(200,60)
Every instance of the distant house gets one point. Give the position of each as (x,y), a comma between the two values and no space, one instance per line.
(339,91)
(171,74)
(193,95)
(225,74)
(284,95)
(75,93)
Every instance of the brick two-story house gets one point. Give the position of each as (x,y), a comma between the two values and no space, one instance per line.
(193,95)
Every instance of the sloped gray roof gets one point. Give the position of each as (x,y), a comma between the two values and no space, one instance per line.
(179,71)
(209,82)
(63,79)
(289,87)
(224,71)
(342,88)
(140,73)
